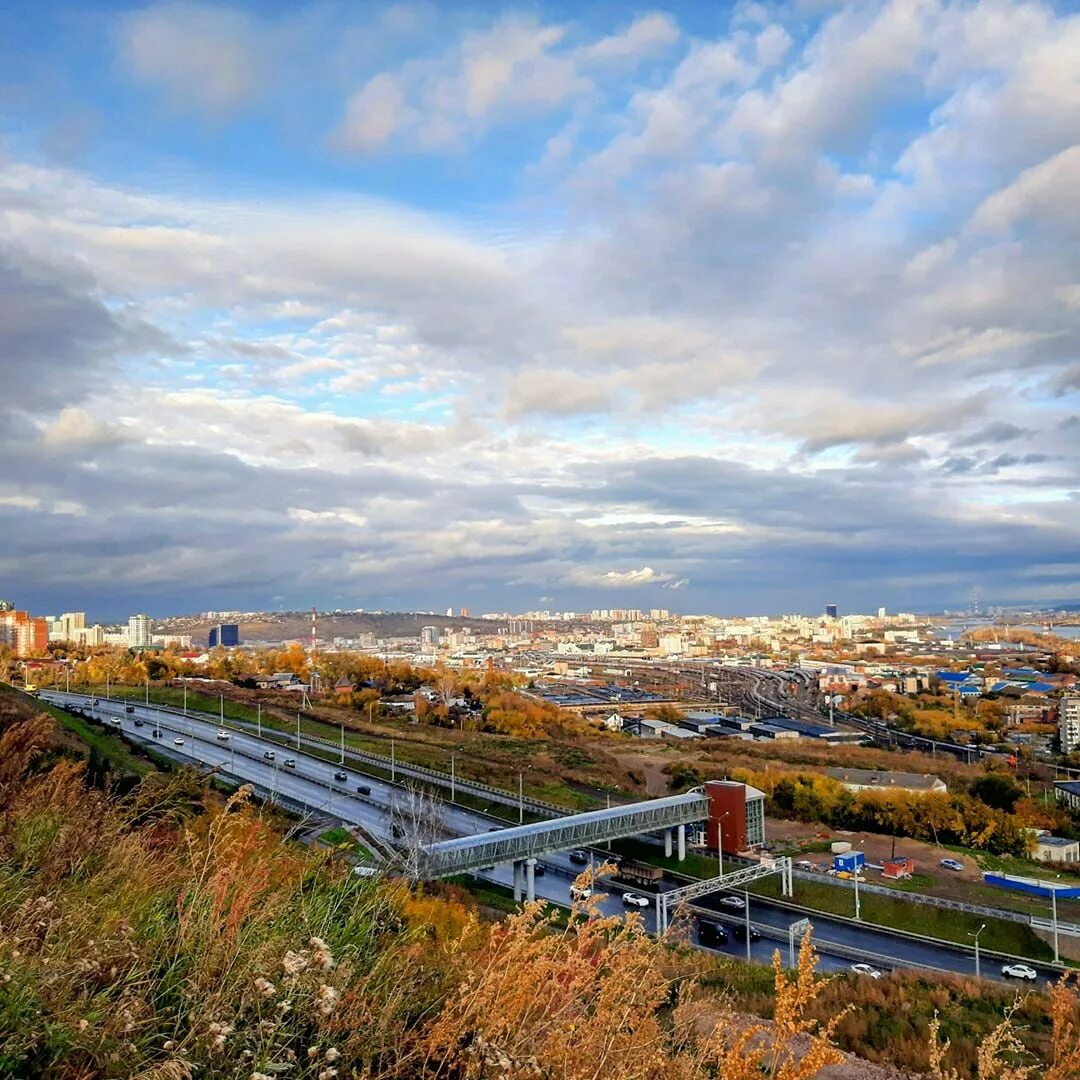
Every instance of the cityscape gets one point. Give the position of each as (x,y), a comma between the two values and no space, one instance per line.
(540,541)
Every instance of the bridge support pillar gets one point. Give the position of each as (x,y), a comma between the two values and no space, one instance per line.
(530,880)
(682,842)
(518,867)
(667,843)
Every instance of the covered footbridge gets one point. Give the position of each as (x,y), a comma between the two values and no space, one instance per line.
(524,844)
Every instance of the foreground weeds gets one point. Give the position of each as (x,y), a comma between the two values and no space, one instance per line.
(172,934)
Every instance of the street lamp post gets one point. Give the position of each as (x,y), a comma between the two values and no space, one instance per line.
(858,909)
(393,764)
(521,797)
(720,841)
(1053,916)
(976,937)
(453,780)
(258,718)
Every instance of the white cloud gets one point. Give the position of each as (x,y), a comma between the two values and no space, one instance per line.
(207,59)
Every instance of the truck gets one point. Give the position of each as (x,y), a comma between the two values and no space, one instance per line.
(642,874)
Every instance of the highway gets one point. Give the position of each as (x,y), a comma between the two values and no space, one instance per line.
(311,782)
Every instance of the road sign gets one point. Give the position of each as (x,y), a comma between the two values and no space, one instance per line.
(796,930)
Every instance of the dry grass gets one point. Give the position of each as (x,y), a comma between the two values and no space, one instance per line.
(165,936)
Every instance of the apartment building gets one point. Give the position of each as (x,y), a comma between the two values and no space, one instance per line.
(1069,723)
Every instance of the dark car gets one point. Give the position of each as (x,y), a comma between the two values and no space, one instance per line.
(129,708)
(711,934)
(157,733)
(363,789)
(538,870)
(341,776)
(138,723)
(579,857)
(740,932)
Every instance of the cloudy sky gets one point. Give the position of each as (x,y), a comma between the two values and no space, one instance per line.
(732,308)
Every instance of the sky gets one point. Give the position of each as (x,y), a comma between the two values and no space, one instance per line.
(732,308)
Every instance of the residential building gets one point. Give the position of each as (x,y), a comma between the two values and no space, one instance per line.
(25,634)
(429,636)
(139,635)
(1069,723)
(1068,792)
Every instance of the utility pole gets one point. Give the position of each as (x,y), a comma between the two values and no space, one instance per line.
(185,697)
(453,791)
(147,689)
(223,709)
(297,731)
(1053,915)
(521,798)
(393,764)
(342,744)
(258,718)
(858,910)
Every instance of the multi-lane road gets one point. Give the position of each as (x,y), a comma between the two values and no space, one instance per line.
(335,792)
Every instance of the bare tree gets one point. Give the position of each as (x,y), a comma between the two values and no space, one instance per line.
(416,820)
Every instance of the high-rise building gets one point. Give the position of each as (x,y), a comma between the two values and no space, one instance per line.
(25,634)
(71,622)
(1069,723)
(831,611)
(881,613)
(463,612)
(429,636)
(138,631)
(225,634)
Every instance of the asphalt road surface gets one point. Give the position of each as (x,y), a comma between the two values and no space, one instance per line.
(312,782)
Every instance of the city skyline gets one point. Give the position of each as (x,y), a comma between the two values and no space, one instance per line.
(744,308)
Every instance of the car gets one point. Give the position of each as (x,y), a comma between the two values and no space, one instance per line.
(129,708)
(178,742)
(952,864)
(223,735)
(156,733)
(633,899)
(363,789)
(1019,971)
(138,723)
(538,870)
(268,755)
(289,763)
(711,934)
(115,721)
(93,702)
(338,775)
(579,857)
(580,892)
(740,932)
(805,864)
(866,969)
(733,902)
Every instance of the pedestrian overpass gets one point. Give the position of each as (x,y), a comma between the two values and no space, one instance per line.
(522,845)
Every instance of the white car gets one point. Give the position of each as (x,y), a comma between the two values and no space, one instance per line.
(633,899)
(115,720)
(178,742)
(733,902)
(866,969)
(1019,971)
(223,735)
(582,893)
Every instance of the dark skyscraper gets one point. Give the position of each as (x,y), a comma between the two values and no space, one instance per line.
(831,611)
(226,634)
